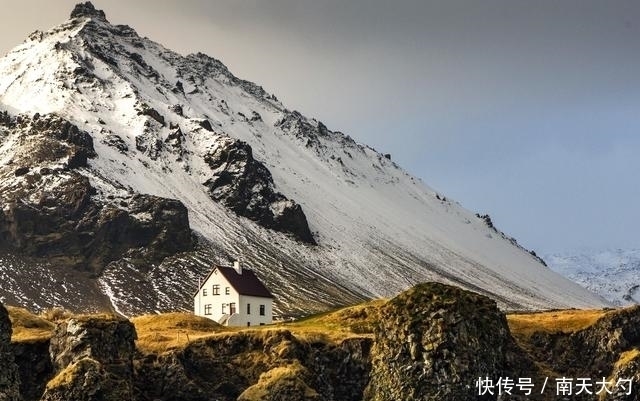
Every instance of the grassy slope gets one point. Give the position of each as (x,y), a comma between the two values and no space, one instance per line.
(159,333)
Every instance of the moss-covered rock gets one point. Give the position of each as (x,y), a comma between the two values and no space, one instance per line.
(283,383)
(93,359)
(433,343)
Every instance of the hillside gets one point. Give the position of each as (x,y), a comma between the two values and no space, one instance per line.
(127,170)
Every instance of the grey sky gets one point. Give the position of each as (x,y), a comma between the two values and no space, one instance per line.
(527,110)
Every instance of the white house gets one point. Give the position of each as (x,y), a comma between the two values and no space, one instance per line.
(234,296)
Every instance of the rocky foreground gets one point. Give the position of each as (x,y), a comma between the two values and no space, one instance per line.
(432,342)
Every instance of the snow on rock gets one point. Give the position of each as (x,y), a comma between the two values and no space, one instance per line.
(164,124)
(614,274)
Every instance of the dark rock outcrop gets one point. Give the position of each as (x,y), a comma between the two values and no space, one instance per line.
(34,366)
(93,359)
(9,379)
(51,211)
(65,224)
(628,369)
(434,342)
(262,365)
(245,185)
(593,351)
(87,10)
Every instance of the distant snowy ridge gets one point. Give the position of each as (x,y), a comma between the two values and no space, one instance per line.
(614,274)
(158,122)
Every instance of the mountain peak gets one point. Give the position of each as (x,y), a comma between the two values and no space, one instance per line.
(256,179)
(88,10)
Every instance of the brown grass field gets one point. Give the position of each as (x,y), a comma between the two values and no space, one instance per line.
(523,325)
(170,331)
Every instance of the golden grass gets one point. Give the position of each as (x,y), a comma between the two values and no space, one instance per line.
(627,357)
(28,327)
(68,374)
(168,331)
(523,325)
(338,325)
(279,379)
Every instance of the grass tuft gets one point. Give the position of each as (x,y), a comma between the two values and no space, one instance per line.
(28,327)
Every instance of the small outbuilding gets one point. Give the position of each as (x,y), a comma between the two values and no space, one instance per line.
(234,296)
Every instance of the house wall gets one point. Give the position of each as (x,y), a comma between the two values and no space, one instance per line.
(254,317)
(201,301)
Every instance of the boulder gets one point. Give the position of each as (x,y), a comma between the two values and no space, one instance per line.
(433,343)
(93,360)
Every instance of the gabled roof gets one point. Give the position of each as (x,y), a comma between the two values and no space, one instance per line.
(246,283)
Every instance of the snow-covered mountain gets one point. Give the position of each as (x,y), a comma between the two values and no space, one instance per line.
(122,128)
(614,274)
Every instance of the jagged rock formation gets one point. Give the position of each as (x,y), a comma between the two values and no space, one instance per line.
(9,379)
(268,365)
(435,341)
(245,186)
(594,350)
(51,210)
(87,10)
(93,360)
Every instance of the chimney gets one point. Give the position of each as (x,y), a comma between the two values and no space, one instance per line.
(237,266)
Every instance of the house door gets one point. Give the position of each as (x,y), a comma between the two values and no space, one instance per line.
(232,308)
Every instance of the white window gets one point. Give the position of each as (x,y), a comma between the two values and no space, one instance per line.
(262,310)
(204,292)
(227,291)
(207,309)
(216,289)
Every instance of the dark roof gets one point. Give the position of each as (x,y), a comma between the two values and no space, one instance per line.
(246,283)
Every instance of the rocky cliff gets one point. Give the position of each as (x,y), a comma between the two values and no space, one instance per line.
(432,342)
(51,210)
(9,379)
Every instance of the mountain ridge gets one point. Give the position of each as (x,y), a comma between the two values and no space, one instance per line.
(612,273)
(185,128)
